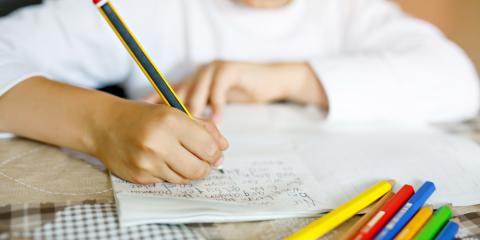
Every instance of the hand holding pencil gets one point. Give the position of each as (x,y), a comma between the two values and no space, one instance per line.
(150,147)
(194,146)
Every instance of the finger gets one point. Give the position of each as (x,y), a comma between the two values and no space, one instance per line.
(197,140)
(198,96)
(181,90)
(142,177)
(188,165)
(213,130)
(152,98)
(163,171)
(218,95)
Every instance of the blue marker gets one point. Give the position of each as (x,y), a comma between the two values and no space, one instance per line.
(404,215)
(448,232)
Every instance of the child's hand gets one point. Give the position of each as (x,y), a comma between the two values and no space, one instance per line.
(146,143)
(219,83)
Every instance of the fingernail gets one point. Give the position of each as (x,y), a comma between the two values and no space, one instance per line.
(225,142)
(219,162)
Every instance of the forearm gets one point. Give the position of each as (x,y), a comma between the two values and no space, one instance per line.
(54,113)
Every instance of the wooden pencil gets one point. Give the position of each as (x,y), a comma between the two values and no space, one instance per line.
(365,218)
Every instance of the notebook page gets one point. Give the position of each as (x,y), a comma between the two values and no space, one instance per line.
(346,158)
(272,179)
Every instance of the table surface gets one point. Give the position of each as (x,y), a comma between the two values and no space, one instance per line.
(33,173)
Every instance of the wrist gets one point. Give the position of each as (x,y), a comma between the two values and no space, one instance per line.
(291,80)
(283,80)
(100,119)
(304,87)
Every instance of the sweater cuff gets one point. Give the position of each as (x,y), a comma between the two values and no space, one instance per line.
(352,85)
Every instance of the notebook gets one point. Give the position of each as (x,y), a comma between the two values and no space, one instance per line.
(284,162)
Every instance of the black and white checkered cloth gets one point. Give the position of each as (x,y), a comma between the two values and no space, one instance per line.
(98,221)
(469,226)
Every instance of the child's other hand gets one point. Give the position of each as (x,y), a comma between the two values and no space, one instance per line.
(220,82)
(145,143)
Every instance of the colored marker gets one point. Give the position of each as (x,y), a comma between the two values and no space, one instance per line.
(148,67)
(439,219)
(448,232)
(385,214)
(406,212)
(415,224)
(365,218)
(338,216)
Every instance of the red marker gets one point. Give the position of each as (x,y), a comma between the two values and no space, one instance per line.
(385,213)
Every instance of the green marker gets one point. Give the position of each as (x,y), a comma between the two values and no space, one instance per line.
(433,227)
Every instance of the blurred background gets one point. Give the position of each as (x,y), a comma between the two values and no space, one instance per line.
(458,19)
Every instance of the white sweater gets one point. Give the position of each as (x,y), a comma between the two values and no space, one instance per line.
(375,62)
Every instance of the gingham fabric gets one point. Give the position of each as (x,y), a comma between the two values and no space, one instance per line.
(90,221)
(469,226)
(25,217)
(99,221)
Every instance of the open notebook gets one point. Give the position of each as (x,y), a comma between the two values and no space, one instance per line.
(285,162)
(252,188)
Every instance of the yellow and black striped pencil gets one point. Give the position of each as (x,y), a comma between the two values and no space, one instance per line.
(156,78)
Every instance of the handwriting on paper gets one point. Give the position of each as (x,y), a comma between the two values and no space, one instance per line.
(256,183)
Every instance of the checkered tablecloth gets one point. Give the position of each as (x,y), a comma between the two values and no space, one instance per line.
(86,221)
(90,220)
(469,226)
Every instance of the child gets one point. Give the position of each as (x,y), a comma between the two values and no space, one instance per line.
(358,59)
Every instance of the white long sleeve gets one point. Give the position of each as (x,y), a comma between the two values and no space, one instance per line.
(64,40)
(396,68)
(375,62)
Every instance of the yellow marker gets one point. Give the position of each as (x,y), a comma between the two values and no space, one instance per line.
(415,224)
(338,216)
